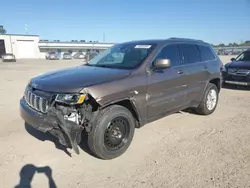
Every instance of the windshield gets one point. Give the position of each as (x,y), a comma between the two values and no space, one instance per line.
(245,56)
(124,56)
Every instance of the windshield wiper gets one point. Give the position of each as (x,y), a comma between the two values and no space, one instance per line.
(106,66)
(99,65)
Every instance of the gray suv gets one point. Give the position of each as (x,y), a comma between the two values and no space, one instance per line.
(123,88)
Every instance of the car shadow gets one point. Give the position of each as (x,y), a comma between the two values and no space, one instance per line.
(29,170)
(235,87)
(48,137)
(45,137)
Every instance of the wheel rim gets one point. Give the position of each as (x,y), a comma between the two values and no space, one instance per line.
(211,99)
(116,133)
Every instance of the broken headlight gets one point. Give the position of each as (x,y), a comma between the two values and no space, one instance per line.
(71,98)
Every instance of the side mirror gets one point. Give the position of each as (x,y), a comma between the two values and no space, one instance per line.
(162,63)
(233,59)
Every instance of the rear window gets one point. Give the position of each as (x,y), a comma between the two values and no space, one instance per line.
(206,53)
(190,53)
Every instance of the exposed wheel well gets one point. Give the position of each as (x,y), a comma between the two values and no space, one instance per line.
(128,104)
(216,82)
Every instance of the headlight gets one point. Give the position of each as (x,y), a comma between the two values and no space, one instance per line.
(71,98)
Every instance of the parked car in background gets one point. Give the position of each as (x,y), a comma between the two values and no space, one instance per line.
(8,57)
(237,72)
(52,56)
(47,55)
(126,87)
(67,55)
(79,55)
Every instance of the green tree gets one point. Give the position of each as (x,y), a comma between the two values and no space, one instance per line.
(222,45)
(246,43)
(235,44)
(2,30)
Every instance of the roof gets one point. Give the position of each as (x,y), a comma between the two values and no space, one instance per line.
(160,41)
(185,39)
(148,41)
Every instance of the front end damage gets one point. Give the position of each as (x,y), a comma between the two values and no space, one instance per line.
(64,121)
(71,120)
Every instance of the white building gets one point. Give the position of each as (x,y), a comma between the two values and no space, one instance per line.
(30,46)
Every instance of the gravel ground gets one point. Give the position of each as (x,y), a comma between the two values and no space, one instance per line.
(181,150)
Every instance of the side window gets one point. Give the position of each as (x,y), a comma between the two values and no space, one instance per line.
(170,52)
(206,53)
(190,53)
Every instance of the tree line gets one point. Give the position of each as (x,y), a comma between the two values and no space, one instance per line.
(246,43)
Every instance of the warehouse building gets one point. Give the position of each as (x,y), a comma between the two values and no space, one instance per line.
(30,46)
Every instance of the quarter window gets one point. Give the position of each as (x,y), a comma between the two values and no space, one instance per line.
(190,53)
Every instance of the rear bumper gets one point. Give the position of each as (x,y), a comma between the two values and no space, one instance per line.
(53,58)
(9,60)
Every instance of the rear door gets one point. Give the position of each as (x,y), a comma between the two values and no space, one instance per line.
(208,61)
(193,66)
(166,87)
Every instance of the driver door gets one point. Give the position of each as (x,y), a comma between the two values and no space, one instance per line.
(166,90)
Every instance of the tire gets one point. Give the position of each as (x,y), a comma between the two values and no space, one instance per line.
(103,133)
(203,108)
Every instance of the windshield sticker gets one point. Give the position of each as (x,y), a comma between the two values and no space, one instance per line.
(143,46)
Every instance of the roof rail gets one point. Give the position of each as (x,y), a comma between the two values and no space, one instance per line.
(187,39)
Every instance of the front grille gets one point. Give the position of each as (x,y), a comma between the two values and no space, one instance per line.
(239,78)
(36,102)
(243,72)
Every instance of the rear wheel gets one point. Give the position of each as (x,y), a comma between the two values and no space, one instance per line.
(209,101)
(112,133)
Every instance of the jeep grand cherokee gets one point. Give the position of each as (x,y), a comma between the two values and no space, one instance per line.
(123,88)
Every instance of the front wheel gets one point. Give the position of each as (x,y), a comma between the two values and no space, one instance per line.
(209,101)
(112,132)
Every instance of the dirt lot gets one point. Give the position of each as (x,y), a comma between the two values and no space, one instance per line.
(181,150)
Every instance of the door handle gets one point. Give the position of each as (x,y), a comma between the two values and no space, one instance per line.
(180,72)
(205,66)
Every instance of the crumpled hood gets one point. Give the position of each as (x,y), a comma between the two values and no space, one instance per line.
(73,79)
(239,65)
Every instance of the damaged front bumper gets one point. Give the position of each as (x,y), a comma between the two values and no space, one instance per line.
(68,132)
